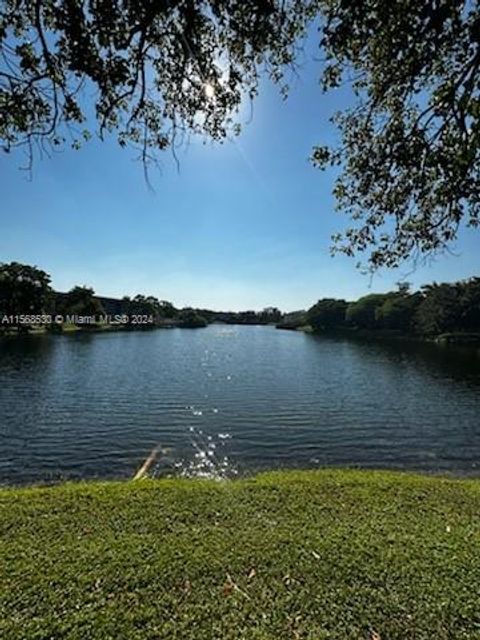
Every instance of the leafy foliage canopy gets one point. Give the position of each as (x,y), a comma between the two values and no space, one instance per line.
(156,69)
(410,145)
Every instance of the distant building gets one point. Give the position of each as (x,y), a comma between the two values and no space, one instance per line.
(112,306)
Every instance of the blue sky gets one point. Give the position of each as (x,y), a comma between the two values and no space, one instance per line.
(242,225)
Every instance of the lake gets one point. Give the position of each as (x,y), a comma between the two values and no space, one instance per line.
(229,400)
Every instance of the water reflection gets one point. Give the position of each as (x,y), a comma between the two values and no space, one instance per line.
(95,405)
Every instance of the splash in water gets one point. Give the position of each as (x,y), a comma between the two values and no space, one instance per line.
(207,459)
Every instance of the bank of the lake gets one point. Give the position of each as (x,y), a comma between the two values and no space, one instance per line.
(302,555)
(452,338)
(93,327)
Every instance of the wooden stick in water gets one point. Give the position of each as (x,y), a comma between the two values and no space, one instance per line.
(147,464)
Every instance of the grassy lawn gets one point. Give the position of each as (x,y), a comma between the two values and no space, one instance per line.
(297,555)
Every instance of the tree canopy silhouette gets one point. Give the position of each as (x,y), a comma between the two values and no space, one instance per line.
(408,146)
(23,289)
(157,68)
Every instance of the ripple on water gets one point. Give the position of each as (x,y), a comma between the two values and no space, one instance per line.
(96,405)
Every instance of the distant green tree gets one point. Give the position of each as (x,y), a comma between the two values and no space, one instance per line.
(142,305)
(81,301)
(293,320)
(24,290)
(270,315)
(470,305)
(449,308)
(398,312)
(190,319)
(167,309)
(363,313)
(327,313)
(440,310)
(150,306)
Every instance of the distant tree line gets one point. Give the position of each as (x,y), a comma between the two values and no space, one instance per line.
(434,310)
(269,315)
(26,294)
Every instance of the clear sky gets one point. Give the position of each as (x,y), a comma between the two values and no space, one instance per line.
(242,225)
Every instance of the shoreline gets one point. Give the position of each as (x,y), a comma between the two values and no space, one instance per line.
(107,328)
(140,472)
(454,338)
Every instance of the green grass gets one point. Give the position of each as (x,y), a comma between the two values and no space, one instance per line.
(297,555)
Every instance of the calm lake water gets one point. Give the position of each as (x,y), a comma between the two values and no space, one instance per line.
(226,400)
